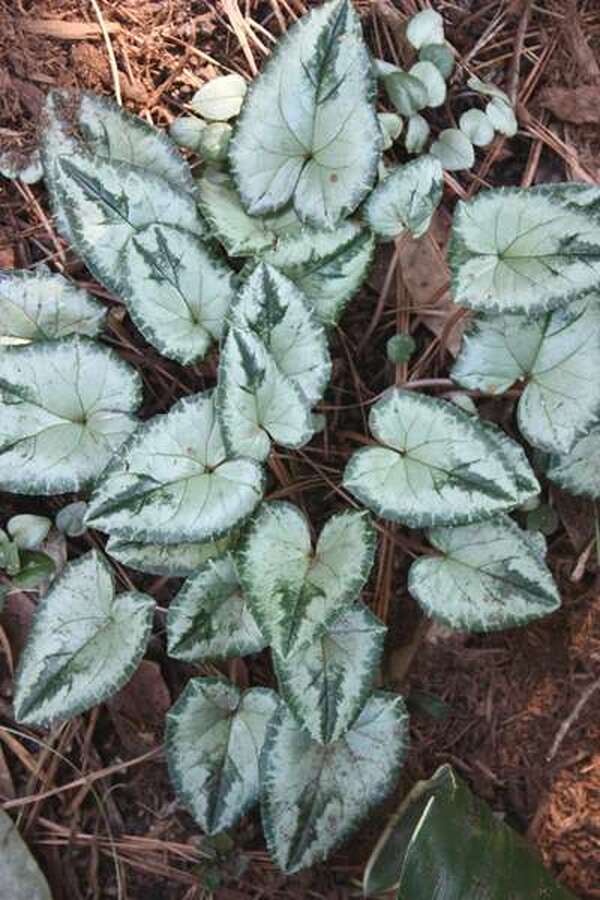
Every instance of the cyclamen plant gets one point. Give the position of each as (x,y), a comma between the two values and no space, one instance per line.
(295,190)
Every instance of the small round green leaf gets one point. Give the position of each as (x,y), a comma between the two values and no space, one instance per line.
(441,56)
(436,465)
(502,117)
(186,132)
(209,616)
(400,348)
(34,568)
(174,482)
(426,27)
(417,134)
(85,643)
(487,89)
(477,127)
(214,737)
(293,592)
(488,578)
(433,80)
(391,127)
(70,519)
(213,142)
(407,199)
(407,93)
(66,406)
(314,796)
(454,150)
(220,98)
(28,531)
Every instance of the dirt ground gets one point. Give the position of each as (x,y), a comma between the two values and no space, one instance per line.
(516,713)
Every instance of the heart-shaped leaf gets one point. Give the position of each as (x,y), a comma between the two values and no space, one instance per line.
(28,531)
(578,471)
(175,560)
(109,132)
(526,250)
(209,617)
(314,795)
(556,355)
(407,93)
(441,55)
(328,267)
(174,482)
(293,592)
(20,876)
(502,117)
(178,293)
(407,199)
(131,228)
(488,577)
(65,407)
(426,27)
(274,366)
(327,683)
(436,465)
(431,77)
(220,98)
(477,127)
(85,643)
(417,134)
(308,129)
(240,234)
(214,737)
(38,305)
(454,150)
(391,127)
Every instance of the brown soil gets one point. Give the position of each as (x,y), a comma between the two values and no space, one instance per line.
(499,708)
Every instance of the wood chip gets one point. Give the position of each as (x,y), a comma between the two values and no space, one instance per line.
(68,31)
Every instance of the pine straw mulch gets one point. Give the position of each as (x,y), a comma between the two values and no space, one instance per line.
(515,713)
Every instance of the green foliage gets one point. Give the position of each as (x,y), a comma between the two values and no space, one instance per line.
(288,193)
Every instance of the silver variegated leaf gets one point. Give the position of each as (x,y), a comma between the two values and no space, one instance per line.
(65,407)
(328,267)
(140,236)
(295,593)
(313,796)
(556,355)
(526,250)
(436,465)
(274,366)
(308,130)
(20,876)
(39,305)
(109,132)
(407,199)
(85,643)
(173,482)
(209,616)
(578,471)
(174,560)
(214,737)
(489,576)
(240,234)
(327,683)
(177,292)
